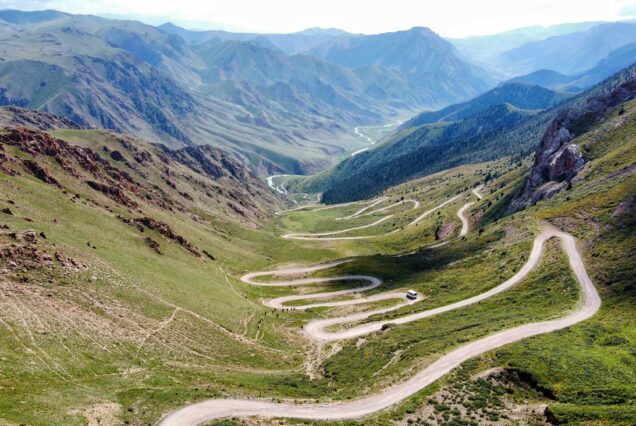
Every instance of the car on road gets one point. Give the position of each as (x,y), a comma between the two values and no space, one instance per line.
(411,294)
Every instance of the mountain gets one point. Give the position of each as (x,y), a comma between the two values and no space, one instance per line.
(291,44)
(280,112)
(317,31)
(35,17)
(484,48)
(416,149)
(544,78)
(424,150)
(610,64)
(133,78)
(520,95)
(408,67)
(423,58)
(568,54)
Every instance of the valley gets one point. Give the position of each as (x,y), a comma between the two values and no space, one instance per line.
(322,227)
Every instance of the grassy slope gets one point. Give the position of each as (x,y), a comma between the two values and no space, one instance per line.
(593,366)
(84,341)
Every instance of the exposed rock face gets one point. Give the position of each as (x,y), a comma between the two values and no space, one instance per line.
(38,143)
(11,116)
(207,161)
(115,193)
(163,229)
(565,163)
(557,160)
(444,231)
(40,172)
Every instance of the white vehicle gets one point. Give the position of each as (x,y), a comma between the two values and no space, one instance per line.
(411,294)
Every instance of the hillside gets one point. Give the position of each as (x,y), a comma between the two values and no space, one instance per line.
(543,78)
(115,297)
(558,161)
(523,96)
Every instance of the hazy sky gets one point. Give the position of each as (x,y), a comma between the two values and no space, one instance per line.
(450,18)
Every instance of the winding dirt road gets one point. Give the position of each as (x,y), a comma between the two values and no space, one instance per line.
(589,305)
(476,192)
(317,330)
(328,236)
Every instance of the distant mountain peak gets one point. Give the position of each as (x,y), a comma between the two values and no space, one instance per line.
(169,25)
(323,31)
(421,30)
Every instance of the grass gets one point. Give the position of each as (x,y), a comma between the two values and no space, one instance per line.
(152,333)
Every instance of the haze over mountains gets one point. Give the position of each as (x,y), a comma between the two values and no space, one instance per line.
(258,97)
(284,103)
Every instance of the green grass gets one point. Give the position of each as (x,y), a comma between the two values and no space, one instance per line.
(81,345)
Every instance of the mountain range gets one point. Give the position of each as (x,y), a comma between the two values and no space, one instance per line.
(283,103)
(275,108)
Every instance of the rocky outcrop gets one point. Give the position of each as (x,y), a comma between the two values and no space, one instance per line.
(153,245)
(11,116)
(115,193)
(206,160)
(163,229)
(40,172)
(21,251)
(131,173)
(73,159)
(557,160)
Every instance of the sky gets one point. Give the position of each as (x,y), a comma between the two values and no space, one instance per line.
(450,18)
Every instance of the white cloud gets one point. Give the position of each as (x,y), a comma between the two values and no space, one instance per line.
(448,17)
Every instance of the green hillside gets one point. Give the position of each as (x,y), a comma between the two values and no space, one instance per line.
(122,303)
(239,229)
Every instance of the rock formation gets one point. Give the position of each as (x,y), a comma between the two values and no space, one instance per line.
(558,160)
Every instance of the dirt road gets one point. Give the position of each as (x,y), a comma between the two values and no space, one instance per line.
(589,305)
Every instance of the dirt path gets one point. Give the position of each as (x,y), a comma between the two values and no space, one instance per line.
(328,236)
(591,302)
(476,192)
(461,215)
